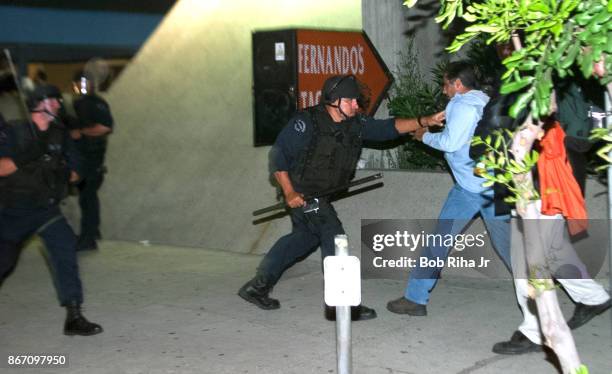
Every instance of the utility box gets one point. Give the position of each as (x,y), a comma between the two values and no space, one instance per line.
(290,67)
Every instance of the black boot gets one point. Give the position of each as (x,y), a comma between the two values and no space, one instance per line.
(256,291)
(86,244)
(358,313)
(584,313)
(517,345)
(76,324)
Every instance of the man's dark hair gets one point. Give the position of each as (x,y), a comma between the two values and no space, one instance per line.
(464,71)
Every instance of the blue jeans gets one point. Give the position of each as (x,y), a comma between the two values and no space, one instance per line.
(459,208)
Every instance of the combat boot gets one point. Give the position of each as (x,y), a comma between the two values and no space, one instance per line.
(76,324)
(358,313)
(256,291)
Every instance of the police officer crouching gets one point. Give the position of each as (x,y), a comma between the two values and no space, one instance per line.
(37,161)
(319,150)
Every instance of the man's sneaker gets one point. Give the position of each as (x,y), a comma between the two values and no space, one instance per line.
(584,313)
(405,306)
(517,345)
(358,313)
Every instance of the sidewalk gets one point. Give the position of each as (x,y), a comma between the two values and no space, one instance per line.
(175,310)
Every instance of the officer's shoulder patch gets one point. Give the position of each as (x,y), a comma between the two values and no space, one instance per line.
(299,125)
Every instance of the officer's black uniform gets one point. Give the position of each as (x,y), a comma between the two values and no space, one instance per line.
(318,154)
(29,205)
(91,109)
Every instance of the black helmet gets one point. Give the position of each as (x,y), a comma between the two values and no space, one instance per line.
(340,86)
(42,92)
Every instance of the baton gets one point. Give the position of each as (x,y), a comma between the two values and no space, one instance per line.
(328,192)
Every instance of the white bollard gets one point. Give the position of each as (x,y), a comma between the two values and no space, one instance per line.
(342,275)
(343,319)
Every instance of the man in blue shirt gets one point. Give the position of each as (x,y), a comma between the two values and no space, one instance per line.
(467,197)
(319,150)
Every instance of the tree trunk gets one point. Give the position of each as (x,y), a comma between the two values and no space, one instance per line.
(557,334)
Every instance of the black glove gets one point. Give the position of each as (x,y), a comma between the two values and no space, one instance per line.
(34,152)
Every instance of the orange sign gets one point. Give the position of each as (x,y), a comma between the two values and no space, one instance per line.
(321,54)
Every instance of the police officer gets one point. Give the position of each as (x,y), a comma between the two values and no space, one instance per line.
(318,150)
(37,160)
(95,123)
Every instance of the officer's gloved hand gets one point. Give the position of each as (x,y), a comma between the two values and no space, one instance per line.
(32,153)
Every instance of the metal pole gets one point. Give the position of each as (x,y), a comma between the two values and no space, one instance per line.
(608,109)
(343,319)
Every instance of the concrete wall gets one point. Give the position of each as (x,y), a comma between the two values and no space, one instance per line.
(390,25)
(182,167)
(183,170)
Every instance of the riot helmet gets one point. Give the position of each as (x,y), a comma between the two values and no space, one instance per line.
(340,87)
(40,93)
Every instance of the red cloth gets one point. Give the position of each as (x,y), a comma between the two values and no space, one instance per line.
(559,190)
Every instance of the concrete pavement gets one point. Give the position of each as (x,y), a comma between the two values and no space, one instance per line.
(175,310)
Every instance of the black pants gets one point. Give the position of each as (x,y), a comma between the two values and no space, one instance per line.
(309,231)
(19,224)
(93,176)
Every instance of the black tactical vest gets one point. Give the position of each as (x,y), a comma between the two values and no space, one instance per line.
(42,182)
(331,157)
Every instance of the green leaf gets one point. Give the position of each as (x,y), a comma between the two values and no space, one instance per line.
(483,28)
(510,199)
(543,106)
(586,65)
(515,56)
(569,59)
(498,140)
(602,18)
(594,28)
(557,29)
(470,17)
(510,87)
(520,103)
(508,73)
(541,25)
(410,3)
(583,18)
(528,65)
(583,369)
(539,7)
